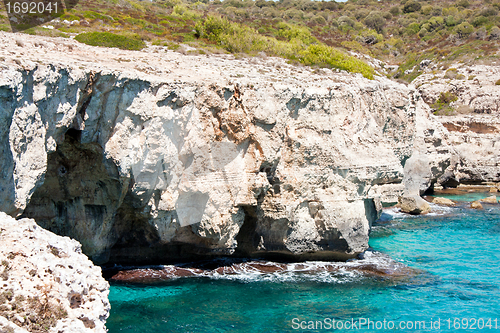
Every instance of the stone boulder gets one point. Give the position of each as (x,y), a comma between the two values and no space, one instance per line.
(476,205)
(413,204)
(492,199)
(443,201)
(48,282)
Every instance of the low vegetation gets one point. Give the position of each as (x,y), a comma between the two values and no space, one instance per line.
(316,33)
(442,105)
(108,39)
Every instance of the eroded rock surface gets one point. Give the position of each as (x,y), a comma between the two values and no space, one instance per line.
(46,282)
(156,156)
(474,126)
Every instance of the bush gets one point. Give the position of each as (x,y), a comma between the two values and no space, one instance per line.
(495,33)
(233,3)
(299,46)
(212,28)
(480,33)
(413,28)
(369,37)
(463,3)
(447,97)
(318,19)
(497,83)
(411,6)
(325,55)
(426,10)
(355,46)
(179,10)
(294,13)
(375,21)
(436,11)
(361,14)
(387,15)
(423,32)
(329,5)
(263,3)
(394,11)
(489,11)
(108,39)
(479,20)
(451,21)
(435,23)
(442,105)
(346,21)
(464,29)
(450,11)
(289,32)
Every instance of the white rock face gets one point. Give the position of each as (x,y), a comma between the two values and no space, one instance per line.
(156,156)
(47,282)
(474,130)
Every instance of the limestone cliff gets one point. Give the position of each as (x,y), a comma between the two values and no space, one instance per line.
(158,156)
(474,125)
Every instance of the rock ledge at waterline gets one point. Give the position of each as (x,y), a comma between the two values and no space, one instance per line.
(154,156)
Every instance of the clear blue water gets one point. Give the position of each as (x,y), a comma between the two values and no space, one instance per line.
(469,197)
(456,258)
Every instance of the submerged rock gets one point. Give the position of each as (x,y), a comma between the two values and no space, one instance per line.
(414,204)
(48,282)
(370,265)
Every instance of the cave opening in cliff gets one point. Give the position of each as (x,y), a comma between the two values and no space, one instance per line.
(247,238)
(79,195)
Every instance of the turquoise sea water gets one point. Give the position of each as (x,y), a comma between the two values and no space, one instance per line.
(455,286)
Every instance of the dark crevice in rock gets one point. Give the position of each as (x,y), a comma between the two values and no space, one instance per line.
(85,99)
(247,238)
(73,134)
(132,232)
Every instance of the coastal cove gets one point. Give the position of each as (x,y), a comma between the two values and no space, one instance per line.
(453,256)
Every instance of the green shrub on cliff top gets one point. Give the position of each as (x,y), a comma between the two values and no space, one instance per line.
(108,39)
(299,45)
(324,55)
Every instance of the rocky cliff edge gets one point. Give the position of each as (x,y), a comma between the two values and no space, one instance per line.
(155,156)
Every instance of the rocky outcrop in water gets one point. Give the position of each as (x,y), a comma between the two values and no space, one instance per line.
(47,283)
(414,205)
(156,156)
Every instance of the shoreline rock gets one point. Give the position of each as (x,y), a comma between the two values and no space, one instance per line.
(491,199)
(369,264)
(48,282)
(476,205)
(443,201)
(413,204)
